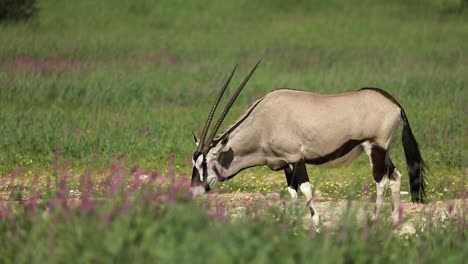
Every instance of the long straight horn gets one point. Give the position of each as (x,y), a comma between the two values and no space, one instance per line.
(213,110)
(226,110)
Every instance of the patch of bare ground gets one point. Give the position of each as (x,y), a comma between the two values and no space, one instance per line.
(234,205)
(331,210)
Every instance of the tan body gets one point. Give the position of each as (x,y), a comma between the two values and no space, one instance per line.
(287,126)
(287,129)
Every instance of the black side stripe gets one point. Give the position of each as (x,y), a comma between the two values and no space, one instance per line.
(338,153)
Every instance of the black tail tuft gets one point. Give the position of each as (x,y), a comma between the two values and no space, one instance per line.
(414,162)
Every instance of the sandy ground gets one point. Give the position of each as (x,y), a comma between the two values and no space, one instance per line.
(330,210)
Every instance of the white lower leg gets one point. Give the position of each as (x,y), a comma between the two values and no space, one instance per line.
(395,184)
(307,191)
(381,186)
(293,194)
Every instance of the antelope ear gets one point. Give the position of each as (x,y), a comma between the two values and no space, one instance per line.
(197,141)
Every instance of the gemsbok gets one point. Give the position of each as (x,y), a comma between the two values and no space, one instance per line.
(287,129)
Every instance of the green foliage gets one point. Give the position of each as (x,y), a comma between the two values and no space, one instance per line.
(148,216)
(17,9)
(137,77)
(86,80)
(183,232)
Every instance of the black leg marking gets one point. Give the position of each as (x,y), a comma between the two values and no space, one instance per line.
(297,175)
(381,163)
(391,168)
(288,172)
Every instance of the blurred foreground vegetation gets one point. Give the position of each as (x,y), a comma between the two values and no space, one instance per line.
(147,216)
(93,79)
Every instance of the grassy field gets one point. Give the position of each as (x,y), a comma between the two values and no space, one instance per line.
(155,219)
(137,78)
(85,83)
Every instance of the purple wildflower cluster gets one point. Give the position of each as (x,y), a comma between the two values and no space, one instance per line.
(119,191)
(105,195)
(159,58)
(43,66)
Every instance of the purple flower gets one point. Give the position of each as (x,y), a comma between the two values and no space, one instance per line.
(86,205)
(220,212)
(53,204)
(106,219)
(154,174)
(4,212)
(15,174)
(138,178)
(125,206)
(30,204)
(366,190)
(86,184)
(400,212)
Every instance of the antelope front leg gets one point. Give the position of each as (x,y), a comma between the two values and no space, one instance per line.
(381,186)
(292,185)
(296,175)
(306,189)
(395,183)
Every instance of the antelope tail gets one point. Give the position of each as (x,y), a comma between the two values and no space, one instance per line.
(414,162)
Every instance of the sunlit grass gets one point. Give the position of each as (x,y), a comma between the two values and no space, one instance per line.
(138,215)
(77,85)
(98,100)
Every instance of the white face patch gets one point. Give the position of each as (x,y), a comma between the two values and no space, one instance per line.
(198,164)
(212,177)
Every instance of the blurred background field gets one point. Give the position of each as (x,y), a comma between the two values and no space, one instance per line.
(96,78)
(98,100)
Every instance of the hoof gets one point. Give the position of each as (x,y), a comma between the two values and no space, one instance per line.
(315,217)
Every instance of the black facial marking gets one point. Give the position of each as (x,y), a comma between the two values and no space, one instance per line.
(196,174)
(196,154)
(226,158)
(338,153)
(195,178)
(204,168)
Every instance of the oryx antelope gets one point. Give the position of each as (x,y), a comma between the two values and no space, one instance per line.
(287,129)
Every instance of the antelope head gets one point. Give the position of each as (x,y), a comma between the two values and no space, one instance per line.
(205,157)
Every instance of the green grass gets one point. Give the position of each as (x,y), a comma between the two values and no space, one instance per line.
(157,221)
(137,77)
(148,234)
